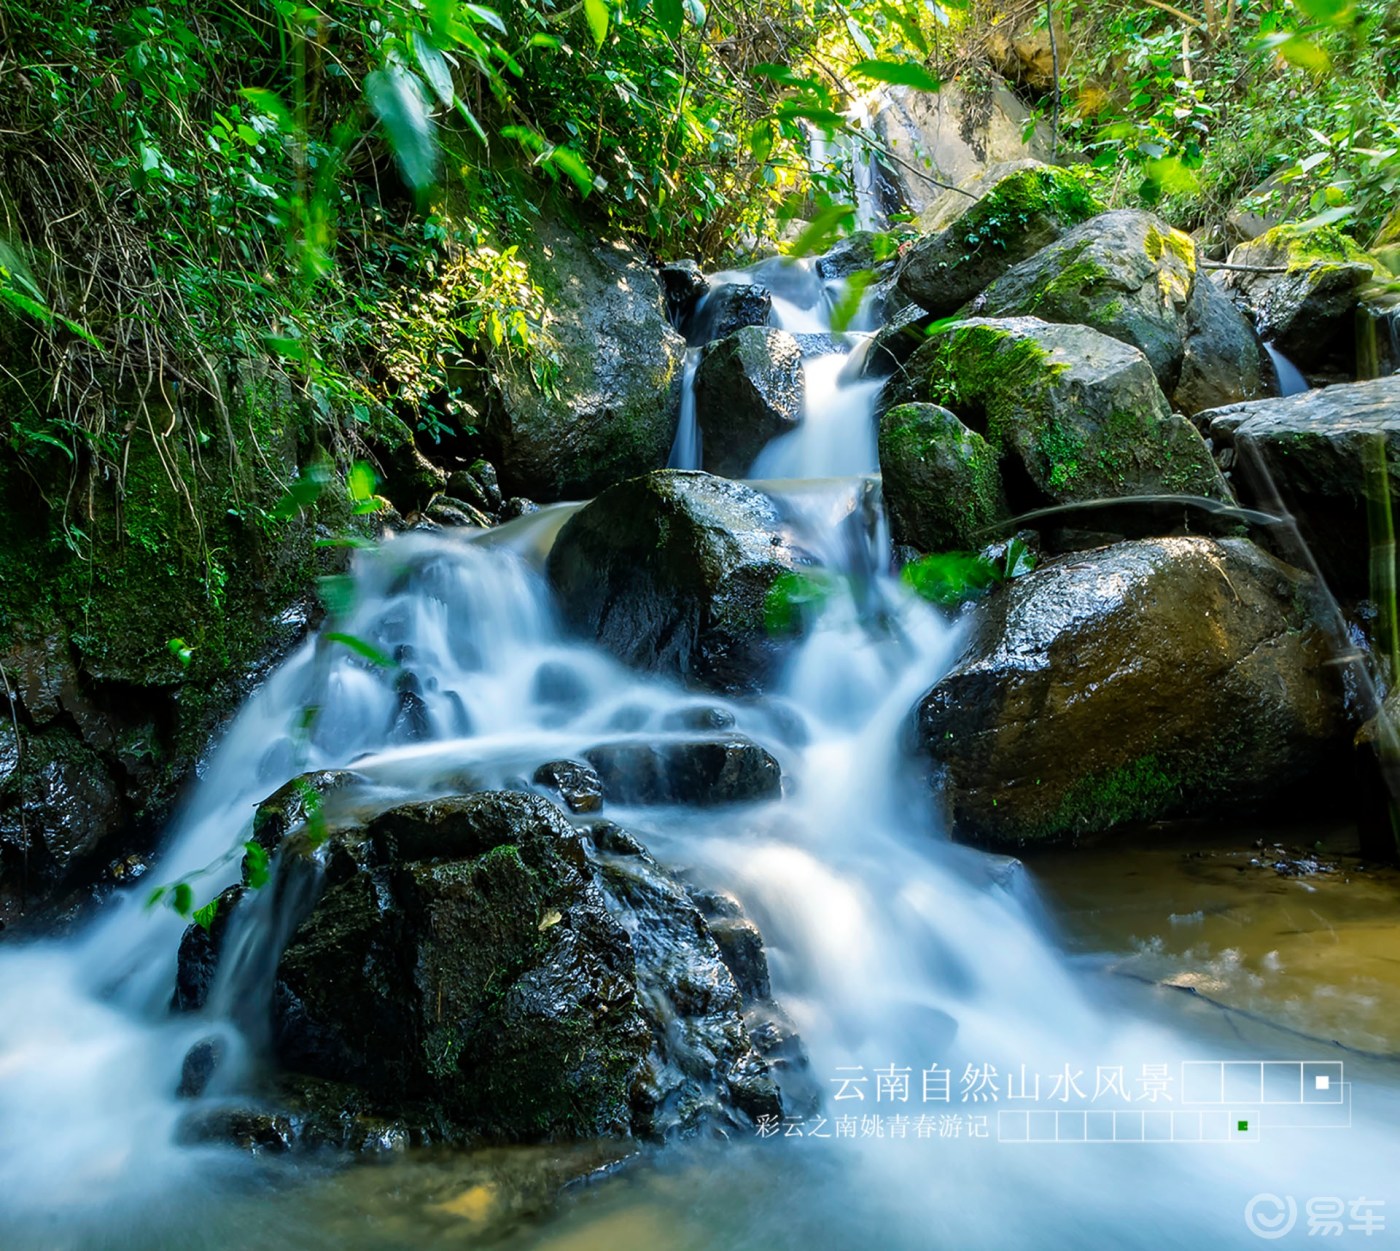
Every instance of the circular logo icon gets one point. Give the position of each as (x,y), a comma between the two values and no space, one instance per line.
(1268,1216)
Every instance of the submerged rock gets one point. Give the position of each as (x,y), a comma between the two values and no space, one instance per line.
(748,389)
(1306,455)
(1071,413)
(1308,310)
(613,409)
(672,573)
(702,773)
(1144,680)
(981,235)
(578,785)
(941,485)
(1132,277)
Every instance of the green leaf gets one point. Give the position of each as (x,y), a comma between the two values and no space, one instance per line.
(828,226)
(949,578)
(255,865)
(696,11)
(361,648)
(596,11)
(303,492)
(204,917)
(568,162)
(898,73)
(360,484)
(435,70)
(847,304)
(670,16)
(1305,54)
(181,650)
(182,899)
(397,99)
(480,13)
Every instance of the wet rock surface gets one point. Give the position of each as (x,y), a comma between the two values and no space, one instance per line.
(474,968)
(703,773)
(1140,681)
(672,573)
(748,389)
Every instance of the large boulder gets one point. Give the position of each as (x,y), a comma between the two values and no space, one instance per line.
(1139,681)
(1072,414)
(1307,455)
(748,389)
(994,223)
(1302,287)
(612,409)
(672,573)
(469,968)
(695,772)
(1130,275)
(941,484)
(952,134)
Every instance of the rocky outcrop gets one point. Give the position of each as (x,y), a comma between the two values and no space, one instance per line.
(997,220)
(1071,413)
(941,483)
(470,969)
(748,389)
(699,773)
(1307,311)
(672,572)
(1135,682)
(1306,455)
(730,307)
(952,134)
(612,410)
(1132,277)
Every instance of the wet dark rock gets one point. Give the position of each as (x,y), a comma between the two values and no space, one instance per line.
(889,347)
(248,1128)
(748,390)
(1144,680)
(942,487)
(855,253)
(613,411)
(517,507)
(450,512)
(467,970)
(576,784)
(685,285)
(201,1062)
(698,717)
(292,804)
(672,573)
(1306,455)
(730,307)
(704,772)
(200,951)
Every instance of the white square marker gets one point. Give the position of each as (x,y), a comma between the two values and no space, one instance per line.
(1322,1082)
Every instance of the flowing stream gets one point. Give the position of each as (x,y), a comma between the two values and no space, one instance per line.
(890,947)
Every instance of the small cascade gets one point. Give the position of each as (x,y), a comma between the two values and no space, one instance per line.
(1290,377)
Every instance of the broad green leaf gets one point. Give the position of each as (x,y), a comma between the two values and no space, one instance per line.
(898,73)
(435,70)
(670,16)
(847,304)
(568,162)
(181,650)
(824,229)
(596,11)
(1305,54)
(270,102)
(204,917)
(182,899)
(396,97)
(489,16)
(255,865)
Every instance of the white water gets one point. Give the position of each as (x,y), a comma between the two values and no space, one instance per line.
(1290,377)
(888,944)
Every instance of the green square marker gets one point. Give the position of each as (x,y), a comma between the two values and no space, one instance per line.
(1242,1126)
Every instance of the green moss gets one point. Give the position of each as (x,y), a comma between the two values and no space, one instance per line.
(1305,248)
(1179,245)
(1139,791)
(1005,211)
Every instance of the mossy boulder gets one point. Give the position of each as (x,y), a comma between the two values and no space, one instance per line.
(1306,455)
(471,970)
(612,408)
(1302,287)
(1070,413)
(942,486)
(1013,219)
(1131,276)
(749,389)
(672,573)
(1136,682)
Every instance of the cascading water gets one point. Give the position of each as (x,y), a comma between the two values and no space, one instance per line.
(889,945)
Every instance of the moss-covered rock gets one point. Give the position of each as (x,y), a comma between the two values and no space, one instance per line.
(1132,277)
(672,571)
(1132,683)
(1308,310)
(942,486)
(1014,218)
(469,970)
(749,389)
(611,410)
(135,617)
(1071,414)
